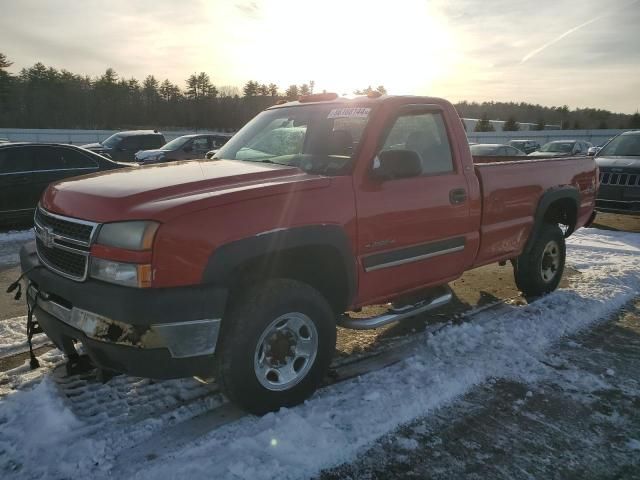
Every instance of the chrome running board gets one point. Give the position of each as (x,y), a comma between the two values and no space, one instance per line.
(395,314)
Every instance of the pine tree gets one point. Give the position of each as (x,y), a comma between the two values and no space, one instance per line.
(292,92)
(484,125)
(250,89)
(634,121)
(511,125)
(304,89)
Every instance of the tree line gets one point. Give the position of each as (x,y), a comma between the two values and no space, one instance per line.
(513,113)
(45,97)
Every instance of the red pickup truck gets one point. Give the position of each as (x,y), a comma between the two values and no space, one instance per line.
(241,267)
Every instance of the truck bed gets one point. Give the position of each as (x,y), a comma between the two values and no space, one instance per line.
(511,191)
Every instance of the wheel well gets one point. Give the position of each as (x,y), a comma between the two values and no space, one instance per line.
(563,211)
(322,267)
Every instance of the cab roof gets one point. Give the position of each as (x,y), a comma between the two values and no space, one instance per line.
(360,100)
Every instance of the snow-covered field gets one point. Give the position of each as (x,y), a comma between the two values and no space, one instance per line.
(53,429)
(10,243)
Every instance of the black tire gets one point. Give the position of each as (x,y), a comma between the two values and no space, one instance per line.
(531,278)
(249,316)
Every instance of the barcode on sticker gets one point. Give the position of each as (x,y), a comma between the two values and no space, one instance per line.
(360,112)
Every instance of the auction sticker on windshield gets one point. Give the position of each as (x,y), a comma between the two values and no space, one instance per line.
(360,112)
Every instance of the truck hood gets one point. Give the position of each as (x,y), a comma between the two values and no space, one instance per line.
(162,191)
(616,162)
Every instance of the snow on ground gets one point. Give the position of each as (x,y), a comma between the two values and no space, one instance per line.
(342,420)
(13,336)
(10,243)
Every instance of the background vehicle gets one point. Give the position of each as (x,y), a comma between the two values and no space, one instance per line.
(495,150)
(122,146)
(187,147)
(526,146)
(560,148)
(240,269)
(27,168)
(619,164)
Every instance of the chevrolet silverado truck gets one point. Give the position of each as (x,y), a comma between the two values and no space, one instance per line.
(240,268)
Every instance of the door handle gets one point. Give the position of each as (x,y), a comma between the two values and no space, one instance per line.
(457,195)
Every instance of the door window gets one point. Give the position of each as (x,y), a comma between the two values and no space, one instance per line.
(131,144)
(201,144)
(75,159)
(14,160)
(425,134)
(150,142)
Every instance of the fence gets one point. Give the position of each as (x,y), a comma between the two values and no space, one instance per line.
(74,137)
(596,137)
(80,137)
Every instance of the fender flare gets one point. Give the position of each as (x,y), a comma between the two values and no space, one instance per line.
(226,258)
(550,196)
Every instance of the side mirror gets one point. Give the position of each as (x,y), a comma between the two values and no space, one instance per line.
(397,164)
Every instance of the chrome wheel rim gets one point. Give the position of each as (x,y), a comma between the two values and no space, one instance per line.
(550,261)
(285,351)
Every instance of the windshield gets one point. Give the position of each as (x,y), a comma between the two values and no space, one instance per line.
(480,150)
(112,141)
(622,145)
(316,138)
(558,147)
(519,145)
(176,143)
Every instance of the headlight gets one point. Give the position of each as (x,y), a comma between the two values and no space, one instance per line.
(136,235)
(128,274)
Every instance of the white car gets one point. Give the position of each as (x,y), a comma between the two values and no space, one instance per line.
(562,148)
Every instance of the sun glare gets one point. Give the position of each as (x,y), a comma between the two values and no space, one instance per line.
(344,45)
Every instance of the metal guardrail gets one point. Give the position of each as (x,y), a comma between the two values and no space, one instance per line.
(76,137)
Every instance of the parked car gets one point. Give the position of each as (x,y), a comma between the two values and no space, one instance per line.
(526,146)
(240,268)
(495,150)
(27,168)
(187,147)
(122,146)
(619,164)
(4,140)
(562,148)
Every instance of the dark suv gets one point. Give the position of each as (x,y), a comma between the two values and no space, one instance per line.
(619,163)
(27,168)
(122,146)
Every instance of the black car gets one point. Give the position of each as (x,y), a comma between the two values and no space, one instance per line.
(27,168)
(619,164)
(187,147)
(123,146)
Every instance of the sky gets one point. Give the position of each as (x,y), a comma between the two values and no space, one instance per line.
(582,53)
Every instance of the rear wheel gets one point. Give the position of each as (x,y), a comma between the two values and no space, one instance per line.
(276,346)
(539,271)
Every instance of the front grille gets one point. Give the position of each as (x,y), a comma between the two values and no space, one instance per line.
(620,179)
(71,264)
(66,228)
(63,243)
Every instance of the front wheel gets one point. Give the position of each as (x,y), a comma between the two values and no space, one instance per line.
(539,271)
(276,346)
